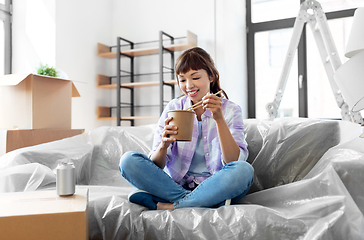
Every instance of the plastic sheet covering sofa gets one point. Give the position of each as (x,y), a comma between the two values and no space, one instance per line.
(308,183)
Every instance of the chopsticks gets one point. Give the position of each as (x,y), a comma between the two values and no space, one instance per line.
(199,104)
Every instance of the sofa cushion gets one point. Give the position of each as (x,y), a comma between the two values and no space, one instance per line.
(285,150)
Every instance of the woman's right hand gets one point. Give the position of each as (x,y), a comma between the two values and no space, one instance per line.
(167,131)
(159,156)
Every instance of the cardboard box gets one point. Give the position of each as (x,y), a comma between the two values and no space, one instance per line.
(14,139)
(44,215)
(29,101)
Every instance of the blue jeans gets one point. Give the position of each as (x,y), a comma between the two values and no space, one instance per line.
(231,182)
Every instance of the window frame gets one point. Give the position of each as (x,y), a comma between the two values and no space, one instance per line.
(252,28)
(6,17)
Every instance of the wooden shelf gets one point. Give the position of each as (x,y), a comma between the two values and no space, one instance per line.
(104,113)
(105,83)
(105,51)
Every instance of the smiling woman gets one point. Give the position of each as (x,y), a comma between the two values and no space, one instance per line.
(198,62)
(195,84)
(217,151)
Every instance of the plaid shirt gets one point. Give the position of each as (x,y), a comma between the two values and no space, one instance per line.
(179,154)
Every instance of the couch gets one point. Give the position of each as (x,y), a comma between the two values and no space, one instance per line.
(308,183)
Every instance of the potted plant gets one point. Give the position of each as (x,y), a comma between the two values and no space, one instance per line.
(47,70)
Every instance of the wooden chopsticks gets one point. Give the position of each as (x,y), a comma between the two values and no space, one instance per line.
(199,104)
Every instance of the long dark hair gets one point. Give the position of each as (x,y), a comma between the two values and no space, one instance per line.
(195,59)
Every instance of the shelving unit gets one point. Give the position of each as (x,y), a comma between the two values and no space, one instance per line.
(105,82)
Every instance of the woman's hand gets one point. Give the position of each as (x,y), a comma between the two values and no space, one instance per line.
(167,131)
(214,104)
(229,148)
(159,156)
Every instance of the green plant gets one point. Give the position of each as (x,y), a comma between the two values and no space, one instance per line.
(47,70)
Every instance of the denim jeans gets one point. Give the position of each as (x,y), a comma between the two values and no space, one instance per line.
(231,182)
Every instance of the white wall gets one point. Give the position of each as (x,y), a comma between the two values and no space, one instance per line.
(33,35)
(231,50)
(80,25)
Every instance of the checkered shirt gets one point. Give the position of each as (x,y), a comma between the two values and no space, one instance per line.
(179,154)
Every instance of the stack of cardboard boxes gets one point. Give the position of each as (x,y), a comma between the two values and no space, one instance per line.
(34,109)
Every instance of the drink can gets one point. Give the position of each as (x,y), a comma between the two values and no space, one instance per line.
(66,179)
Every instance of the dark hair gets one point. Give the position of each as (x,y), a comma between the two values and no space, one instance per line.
(195,59)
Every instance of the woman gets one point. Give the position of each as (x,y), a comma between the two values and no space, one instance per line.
(210,169)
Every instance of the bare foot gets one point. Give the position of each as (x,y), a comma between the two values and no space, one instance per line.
(165,206)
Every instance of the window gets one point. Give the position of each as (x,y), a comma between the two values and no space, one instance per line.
(268,10)
(308,92)
(268,69)
(5,37)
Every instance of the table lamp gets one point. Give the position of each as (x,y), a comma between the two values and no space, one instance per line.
(350,76)
(355,43)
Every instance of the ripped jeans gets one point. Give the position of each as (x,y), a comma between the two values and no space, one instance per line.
(231,182)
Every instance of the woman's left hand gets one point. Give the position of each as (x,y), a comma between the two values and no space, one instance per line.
(214,104)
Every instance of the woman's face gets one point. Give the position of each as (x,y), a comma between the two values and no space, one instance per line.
(195,84)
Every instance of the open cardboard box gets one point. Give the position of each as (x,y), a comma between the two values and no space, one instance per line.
(44,215)
(14,139)
(29,101)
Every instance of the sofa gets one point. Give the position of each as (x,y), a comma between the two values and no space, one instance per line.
(308,183)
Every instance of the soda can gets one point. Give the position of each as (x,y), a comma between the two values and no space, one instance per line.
(66,179)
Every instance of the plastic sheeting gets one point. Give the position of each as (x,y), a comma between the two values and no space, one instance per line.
(308,183)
